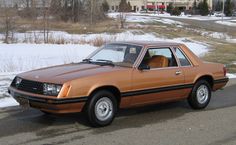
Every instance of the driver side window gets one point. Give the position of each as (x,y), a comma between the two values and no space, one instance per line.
(159,58)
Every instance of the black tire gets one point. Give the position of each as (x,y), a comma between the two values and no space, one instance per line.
(194,100)
(45,112)
(97,97)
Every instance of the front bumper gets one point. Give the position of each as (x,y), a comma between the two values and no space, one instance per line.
(49,104)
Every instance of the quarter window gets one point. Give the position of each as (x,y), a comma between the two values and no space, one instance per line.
(182,58)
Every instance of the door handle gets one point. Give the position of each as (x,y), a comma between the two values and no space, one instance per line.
(178,72)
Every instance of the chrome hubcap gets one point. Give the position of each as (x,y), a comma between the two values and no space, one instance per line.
(104,109)
(202,94)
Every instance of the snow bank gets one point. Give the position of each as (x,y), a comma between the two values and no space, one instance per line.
(135,17)
(216,35)
(227,23)
(7,102)
(23,57)
(5,80)
(231,76)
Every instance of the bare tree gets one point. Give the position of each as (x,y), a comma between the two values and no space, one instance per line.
(45,21)
(77,10)
(94,10)
(9,14)
(123,7)
(122,19)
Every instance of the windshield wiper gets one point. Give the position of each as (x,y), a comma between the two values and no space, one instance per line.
(105,62)
(87,60)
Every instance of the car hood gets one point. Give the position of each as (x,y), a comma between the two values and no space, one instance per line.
(64,73)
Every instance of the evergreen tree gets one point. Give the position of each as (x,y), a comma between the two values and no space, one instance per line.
(229,6)
(203,7)
(176,11)
(129,6)
(105,6)
(124,6)
(218,6)
(194,5)
(170,8)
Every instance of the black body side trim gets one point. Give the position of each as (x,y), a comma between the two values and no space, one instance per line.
(224,80)
(155,90)
(48,100)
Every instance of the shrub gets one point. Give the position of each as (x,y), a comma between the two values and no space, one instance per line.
(176,11)
(229,6)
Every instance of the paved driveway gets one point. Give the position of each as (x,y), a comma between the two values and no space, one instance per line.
(164,124)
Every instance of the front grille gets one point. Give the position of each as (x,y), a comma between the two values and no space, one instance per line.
(29,86)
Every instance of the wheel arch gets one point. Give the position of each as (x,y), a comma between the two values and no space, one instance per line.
(114,90)
(208,78)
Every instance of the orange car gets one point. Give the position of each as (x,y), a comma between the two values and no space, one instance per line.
(121,75)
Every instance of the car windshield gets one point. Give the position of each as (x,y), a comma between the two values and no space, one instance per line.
(116,54)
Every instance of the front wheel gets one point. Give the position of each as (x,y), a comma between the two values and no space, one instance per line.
(200,95)
(101,108)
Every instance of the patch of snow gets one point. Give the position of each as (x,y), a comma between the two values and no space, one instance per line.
(5,81)
(7,102)
(144,19)
(218,35)
(231,40)
(167,15)
(227,23)
(23,57)
(170,22)
(231,76)
(134,17)
(196,47)
(113,15)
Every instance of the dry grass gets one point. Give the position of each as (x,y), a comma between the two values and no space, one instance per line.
(97,41)
(108,25)
(223,53)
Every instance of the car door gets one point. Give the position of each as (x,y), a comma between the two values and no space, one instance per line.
(163,81)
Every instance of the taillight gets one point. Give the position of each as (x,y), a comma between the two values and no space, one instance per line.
(225,70)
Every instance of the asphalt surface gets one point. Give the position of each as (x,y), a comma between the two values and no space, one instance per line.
(209,25)
(164,124)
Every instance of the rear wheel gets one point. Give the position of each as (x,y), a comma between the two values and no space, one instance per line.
(101,108)
(200,95)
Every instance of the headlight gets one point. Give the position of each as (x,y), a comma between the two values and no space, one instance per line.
(51,89)
(17,81)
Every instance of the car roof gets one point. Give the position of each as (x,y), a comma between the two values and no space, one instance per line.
(148,43)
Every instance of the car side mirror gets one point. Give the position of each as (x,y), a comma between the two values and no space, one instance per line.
(143,67)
